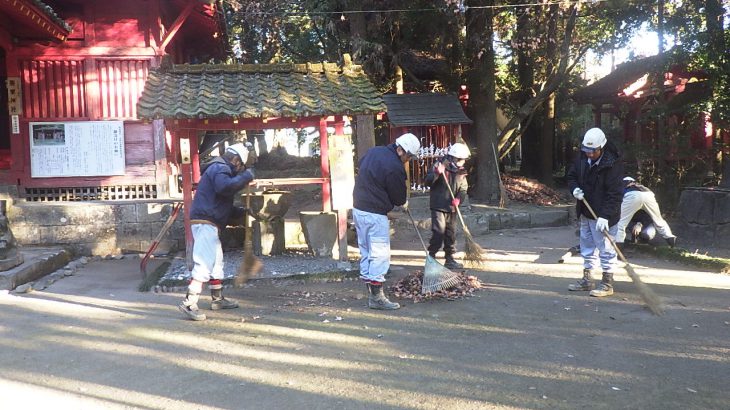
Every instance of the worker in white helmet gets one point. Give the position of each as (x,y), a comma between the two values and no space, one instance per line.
(380,186)
(447,170)
(596,177)
(211,210)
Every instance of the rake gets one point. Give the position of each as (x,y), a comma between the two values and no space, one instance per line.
(473,253)
(651,298)
(251,265)
(435,276)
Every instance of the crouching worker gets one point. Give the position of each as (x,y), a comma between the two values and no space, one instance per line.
(639,200)
(212,209)
(447,170)
(641,228)
(380,185)
(596,178)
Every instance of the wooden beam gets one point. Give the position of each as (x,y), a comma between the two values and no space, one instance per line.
(177,24)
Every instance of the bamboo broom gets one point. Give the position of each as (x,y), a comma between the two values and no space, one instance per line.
(651,298)
(473,253)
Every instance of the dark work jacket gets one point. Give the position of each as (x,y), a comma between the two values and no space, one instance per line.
(601,183)
(440,198)
(217,188)
(634,186)
(380,184)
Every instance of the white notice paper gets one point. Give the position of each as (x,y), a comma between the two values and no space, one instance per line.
(80,148)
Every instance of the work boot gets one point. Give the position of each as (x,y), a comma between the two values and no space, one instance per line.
(378,300)
(219,302)
(189,306)
(672,242)
(605,288)
(584,284)
(451,263)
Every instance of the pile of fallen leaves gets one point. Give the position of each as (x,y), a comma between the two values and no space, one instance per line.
(530,191)
(410,288)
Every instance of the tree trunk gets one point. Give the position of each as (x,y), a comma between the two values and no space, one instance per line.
(547,134)
(365,134)
(510,132)
(531,146)
(482,105)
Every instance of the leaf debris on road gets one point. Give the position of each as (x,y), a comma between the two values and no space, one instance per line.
(410,288)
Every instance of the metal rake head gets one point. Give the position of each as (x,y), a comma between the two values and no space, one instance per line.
(437,277)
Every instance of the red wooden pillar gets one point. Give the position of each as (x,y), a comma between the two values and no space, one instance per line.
(324,163)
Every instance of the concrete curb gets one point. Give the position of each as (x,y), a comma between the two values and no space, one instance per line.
(38,263)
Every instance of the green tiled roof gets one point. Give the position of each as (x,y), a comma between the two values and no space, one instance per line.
(424,109)
(258,91)
(52,14)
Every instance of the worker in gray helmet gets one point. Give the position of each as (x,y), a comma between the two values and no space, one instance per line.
(447,170)
(380,186)
(596,177)
(211,210)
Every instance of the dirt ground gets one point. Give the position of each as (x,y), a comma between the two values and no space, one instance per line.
(93,341)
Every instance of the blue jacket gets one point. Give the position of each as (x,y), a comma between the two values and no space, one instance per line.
(217,188)
(381,181)
(601,183)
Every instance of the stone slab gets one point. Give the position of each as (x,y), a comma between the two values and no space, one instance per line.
(38,262)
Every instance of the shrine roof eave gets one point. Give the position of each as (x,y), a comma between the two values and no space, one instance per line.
(36,16)
(250,92)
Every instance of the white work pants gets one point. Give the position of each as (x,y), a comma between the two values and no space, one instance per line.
(634,201)
(373,239)
(592,240)
(207,253)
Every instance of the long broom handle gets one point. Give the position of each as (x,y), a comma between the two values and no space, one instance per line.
(418,231)
(458,212)
(613,243)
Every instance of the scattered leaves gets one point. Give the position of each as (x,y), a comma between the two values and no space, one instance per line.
(530,191)
(410,288)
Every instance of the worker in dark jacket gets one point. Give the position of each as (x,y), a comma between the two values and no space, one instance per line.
(447,170)
(211,210)
(380,185)
(596,176)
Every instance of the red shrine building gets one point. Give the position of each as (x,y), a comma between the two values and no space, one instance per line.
(71,73)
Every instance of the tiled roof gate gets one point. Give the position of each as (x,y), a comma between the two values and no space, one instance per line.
(224,96)
(258,91)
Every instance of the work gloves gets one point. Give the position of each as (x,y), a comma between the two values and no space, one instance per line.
(455,202)
(602,225)
(439,168)
(637,230)
(578,194)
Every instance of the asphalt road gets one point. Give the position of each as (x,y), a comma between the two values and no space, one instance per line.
(93,341)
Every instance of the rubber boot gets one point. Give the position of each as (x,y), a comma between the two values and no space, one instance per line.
(451,263)
(378,300)
(584,284)
(219,302)
(189,306)
(605,288)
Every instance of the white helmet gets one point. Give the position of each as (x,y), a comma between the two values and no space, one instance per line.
(409,143)
(629,179)
(460,151)
(240,149)
(593,140)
